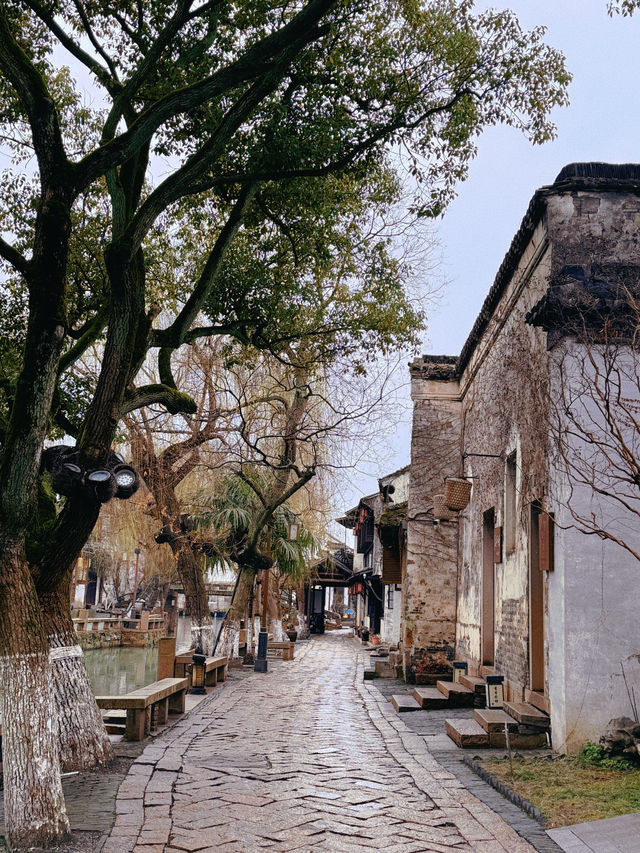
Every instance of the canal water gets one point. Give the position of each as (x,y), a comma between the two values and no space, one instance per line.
(119,670)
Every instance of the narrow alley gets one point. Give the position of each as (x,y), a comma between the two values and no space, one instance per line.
(307,757)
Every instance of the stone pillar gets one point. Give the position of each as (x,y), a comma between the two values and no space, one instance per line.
(166,657)
(429,586)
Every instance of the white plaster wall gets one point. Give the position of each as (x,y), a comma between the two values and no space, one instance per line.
(593,624)
(390,623)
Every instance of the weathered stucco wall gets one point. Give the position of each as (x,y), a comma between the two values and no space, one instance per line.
(505,396)
(429,584)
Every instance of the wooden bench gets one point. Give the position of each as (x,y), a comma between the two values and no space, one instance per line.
(215,668)
(281,651)
(149,706)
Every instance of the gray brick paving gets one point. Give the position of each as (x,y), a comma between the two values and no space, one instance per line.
(430,725)
(307,757)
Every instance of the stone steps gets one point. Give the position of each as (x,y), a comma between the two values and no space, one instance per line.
(430,698)
(473,682)
(466,733)
(403,703)
(384,669)
(469,734)
(457,694)
(494,720)
(527,714)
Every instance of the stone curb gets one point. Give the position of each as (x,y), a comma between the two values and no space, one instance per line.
(506,791)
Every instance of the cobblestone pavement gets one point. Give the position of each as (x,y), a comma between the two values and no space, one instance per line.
(303,758)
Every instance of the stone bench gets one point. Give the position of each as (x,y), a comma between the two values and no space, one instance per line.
(149,706)
(281,651)
(215,668)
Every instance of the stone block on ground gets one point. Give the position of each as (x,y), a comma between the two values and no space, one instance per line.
(430,698)
(370,674)
(493,720)
(403,702)
(458,695)
(466,733)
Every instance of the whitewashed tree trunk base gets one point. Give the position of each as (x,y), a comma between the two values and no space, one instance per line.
(278,631)
(303,631)
(83,741)
(203,635)
(229,646)
(33,801)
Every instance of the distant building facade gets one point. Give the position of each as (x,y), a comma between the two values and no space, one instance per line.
(378,524)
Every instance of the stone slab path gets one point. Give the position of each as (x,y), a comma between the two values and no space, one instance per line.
(304,758)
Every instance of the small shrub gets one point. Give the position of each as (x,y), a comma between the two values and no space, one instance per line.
(594,755)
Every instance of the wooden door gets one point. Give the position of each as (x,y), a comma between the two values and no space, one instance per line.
(487,631)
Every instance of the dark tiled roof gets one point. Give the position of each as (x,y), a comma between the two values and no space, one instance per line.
(435,366)
(602,177)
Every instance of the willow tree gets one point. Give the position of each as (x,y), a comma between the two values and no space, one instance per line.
(223,99)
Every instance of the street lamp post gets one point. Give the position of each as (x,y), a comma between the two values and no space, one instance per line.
(261,658)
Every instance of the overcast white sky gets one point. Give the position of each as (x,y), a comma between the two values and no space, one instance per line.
(602,123)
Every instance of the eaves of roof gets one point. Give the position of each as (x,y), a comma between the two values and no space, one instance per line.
(600,177)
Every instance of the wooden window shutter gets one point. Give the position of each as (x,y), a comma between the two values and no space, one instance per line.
(497,544)
(545,541)
(391,565)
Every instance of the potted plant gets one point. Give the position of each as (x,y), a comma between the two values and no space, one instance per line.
(292,633)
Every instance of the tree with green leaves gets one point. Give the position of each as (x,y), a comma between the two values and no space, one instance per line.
(223,101)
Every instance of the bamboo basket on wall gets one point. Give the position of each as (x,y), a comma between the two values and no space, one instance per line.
(457,493)
(440,511)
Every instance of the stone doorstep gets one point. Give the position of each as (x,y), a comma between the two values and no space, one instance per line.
(430,697)
(458,695)
(384,670)
(402,702)
(527,714)
(466,733)
(494,720)
(473,682)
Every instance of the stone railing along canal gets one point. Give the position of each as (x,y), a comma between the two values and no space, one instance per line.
(100,631)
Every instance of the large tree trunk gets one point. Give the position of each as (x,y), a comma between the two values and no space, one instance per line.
(83,741)
(195,593)
(33,801)
(303,627)
(229,641)
(275,607)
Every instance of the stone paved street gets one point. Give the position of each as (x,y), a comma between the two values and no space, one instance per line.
(303,758)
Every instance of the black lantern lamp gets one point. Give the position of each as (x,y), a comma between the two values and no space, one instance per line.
(495,691)
(198,674)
